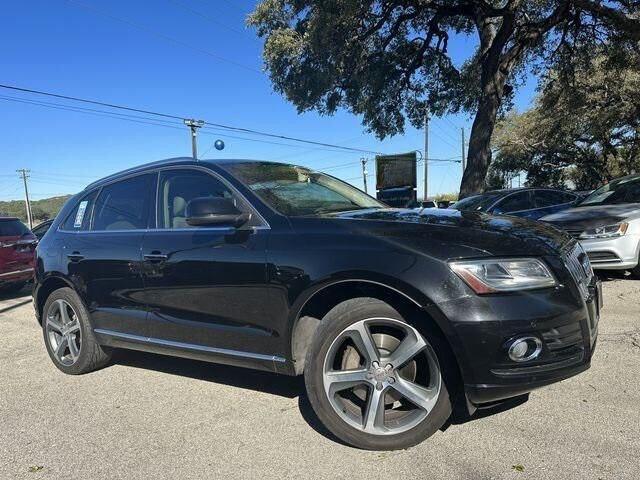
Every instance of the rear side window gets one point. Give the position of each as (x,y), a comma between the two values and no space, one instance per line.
(548,198)
(125,205)
(80,217)
(178,188)
(12,228)
(514,203)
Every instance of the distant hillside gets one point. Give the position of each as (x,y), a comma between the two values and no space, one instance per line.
(42,209)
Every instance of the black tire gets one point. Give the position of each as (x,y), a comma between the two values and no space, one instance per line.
(635,271)
(92,356)
(12,287)
(340,317)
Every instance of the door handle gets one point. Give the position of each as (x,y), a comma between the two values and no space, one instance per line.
(155,257)
(75,256)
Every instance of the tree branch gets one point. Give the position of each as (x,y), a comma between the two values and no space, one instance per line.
(615,17)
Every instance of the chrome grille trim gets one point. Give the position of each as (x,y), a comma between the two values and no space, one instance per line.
(579,266)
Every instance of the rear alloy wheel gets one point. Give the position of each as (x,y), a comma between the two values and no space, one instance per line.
(381,382)
(68,335)
(63,332)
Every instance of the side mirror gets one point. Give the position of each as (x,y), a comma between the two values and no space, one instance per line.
(215,211)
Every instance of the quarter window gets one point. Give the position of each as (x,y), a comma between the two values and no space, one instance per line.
(178,188)
(80,217)
(125,205)
(548,198)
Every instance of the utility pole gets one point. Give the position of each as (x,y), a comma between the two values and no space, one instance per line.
(194,125)
(426,155)
(364,173)
(24,173)
(464,158)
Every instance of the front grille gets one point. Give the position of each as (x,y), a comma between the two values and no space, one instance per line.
(596,257)
(579,266)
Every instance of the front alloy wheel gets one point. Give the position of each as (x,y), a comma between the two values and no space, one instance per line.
(381,376)
(374,380)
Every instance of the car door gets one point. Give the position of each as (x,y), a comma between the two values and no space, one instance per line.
(517,204)
(206,287)
(552,201)
(103,255)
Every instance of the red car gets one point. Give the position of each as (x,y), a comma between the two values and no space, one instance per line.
(17,254)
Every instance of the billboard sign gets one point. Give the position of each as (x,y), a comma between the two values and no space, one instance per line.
(395,171)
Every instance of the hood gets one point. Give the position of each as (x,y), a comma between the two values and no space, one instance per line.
(458,233)
(581,218)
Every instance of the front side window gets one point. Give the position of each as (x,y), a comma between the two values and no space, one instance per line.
(125,205)
(297,191)
(178,188)
(80,216)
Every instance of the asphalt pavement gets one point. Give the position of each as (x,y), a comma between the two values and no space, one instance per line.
(149,416)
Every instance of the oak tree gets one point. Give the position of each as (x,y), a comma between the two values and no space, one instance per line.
(388,60)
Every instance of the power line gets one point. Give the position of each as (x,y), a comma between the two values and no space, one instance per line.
(120,116)
(446,119)
(445,131)
(93,102)
(443,139)
(209,18)
(150,121)
(146,29)
(176,117)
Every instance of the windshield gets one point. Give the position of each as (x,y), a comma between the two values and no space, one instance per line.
(296,191)
(477,202)
(12,228)
(622,190)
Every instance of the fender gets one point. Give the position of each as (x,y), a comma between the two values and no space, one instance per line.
(43,287)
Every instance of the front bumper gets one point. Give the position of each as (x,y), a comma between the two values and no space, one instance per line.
(562,318)
(620,253)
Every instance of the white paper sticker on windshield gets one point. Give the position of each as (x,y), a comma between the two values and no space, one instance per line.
(80,215)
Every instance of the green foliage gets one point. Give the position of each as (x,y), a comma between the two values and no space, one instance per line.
(42,209)
(583,130)
(451,197)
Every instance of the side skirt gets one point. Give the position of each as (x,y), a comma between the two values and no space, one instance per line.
(258,361)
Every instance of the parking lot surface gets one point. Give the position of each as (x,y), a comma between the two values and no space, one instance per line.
(148,416)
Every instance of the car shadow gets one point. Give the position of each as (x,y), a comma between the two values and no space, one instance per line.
(613,275)
(271,383)
(23,297)
(266,382)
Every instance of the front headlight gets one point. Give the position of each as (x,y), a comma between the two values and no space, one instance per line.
(504,275)
(608,231)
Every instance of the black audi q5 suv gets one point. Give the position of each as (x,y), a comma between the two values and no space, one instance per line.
(395,317)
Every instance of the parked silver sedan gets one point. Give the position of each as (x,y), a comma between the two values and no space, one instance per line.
(607,222)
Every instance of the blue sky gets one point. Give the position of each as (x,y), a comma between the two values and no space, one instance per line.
(209,68)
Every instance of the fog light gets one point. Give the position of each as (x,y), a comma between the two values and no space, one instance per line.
(525,349)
